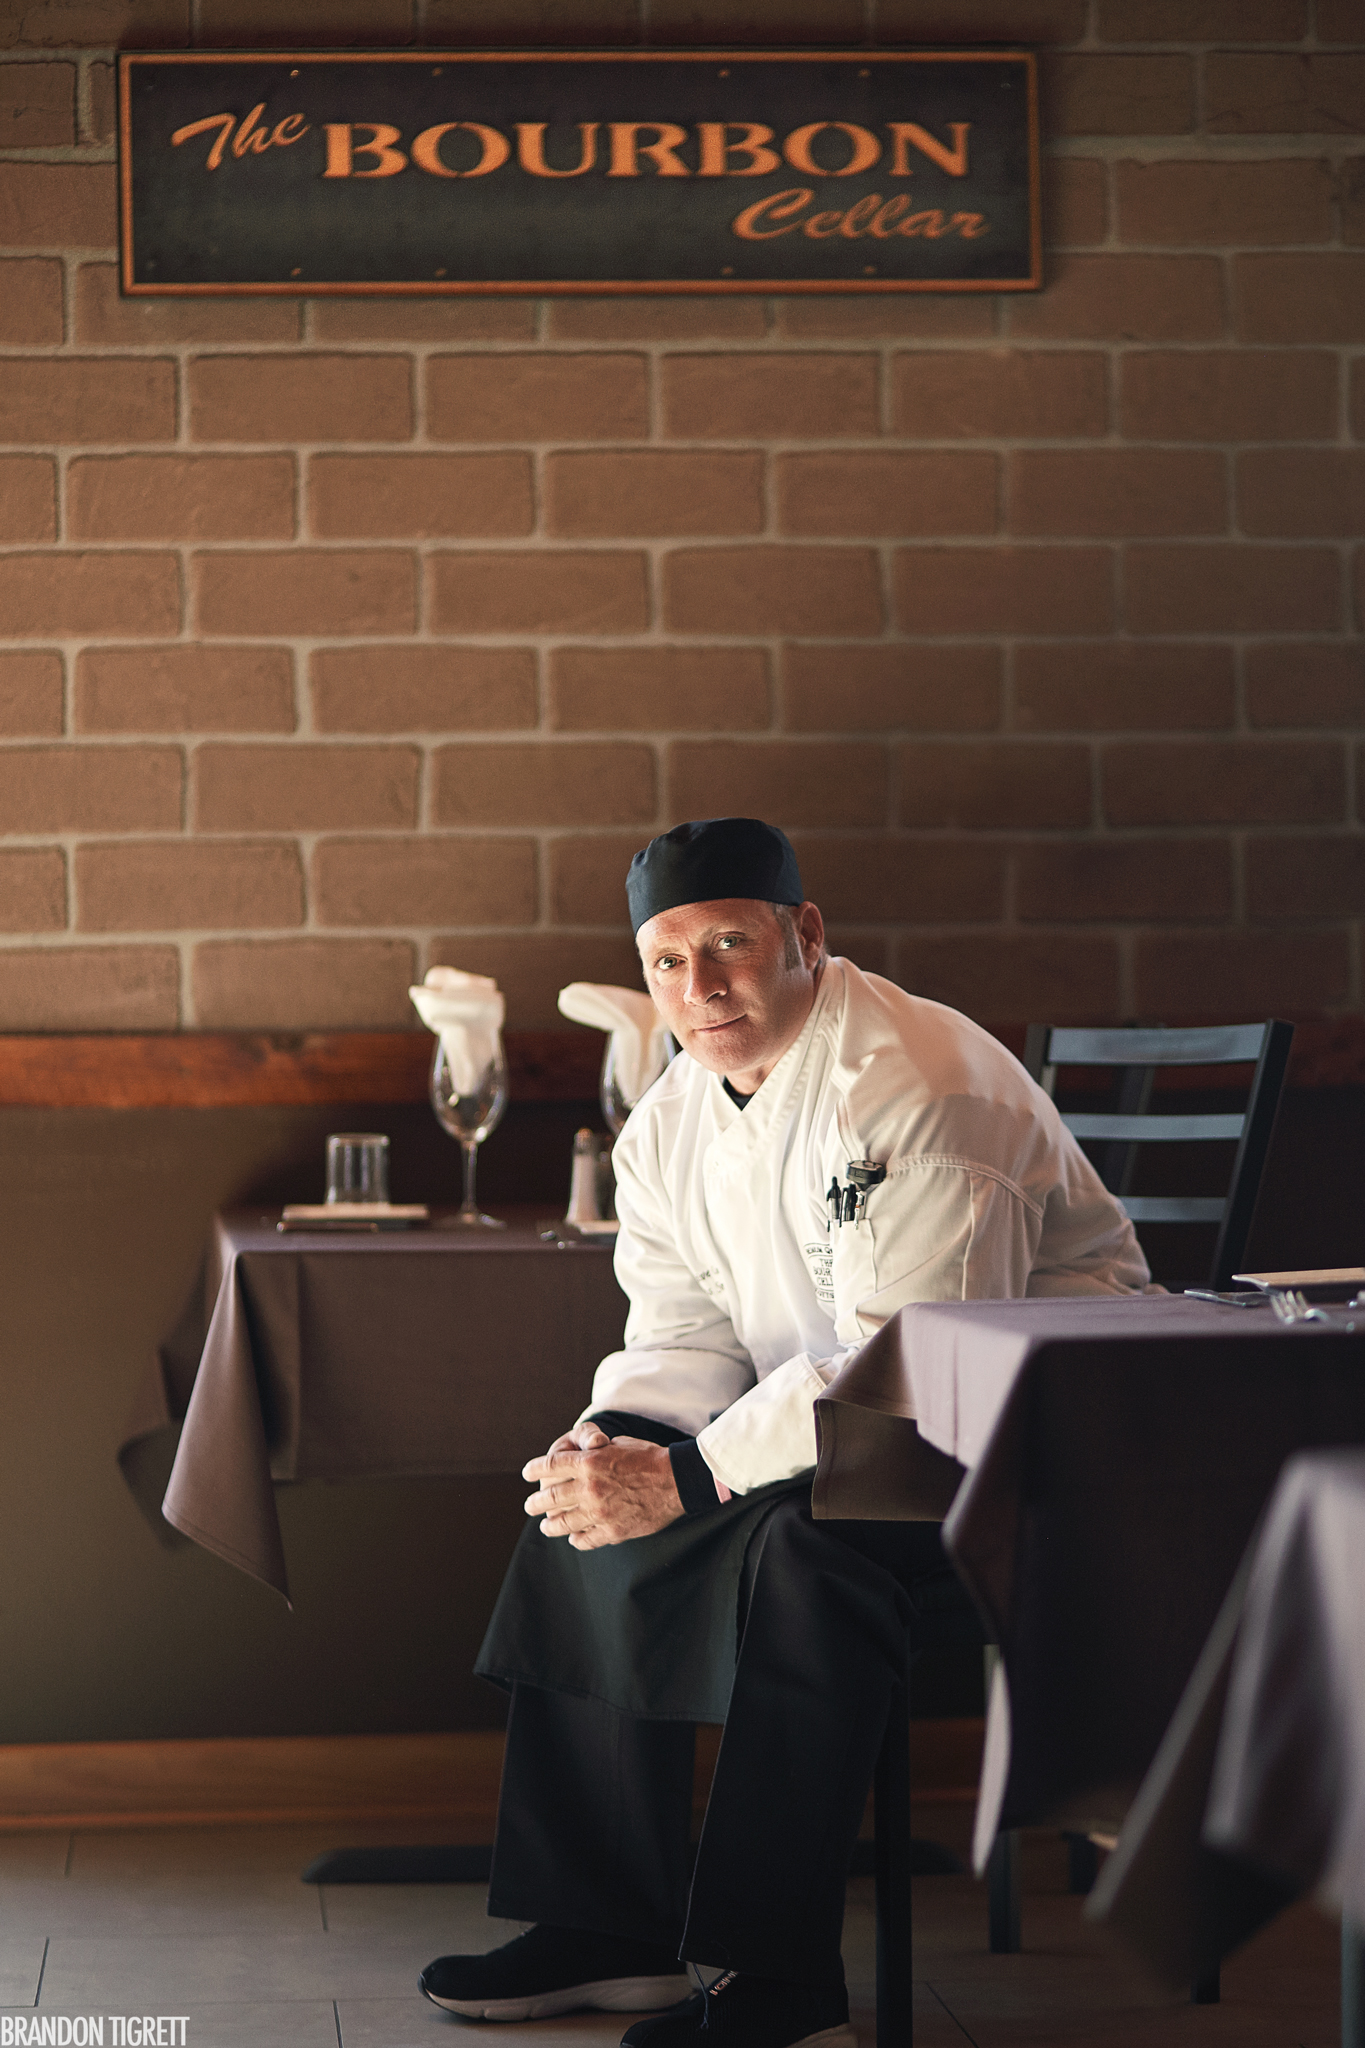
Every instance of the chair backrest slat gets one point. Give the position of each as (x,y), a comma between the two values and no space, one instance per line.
(1215,1045)
(1175,1208)
(1184,1130)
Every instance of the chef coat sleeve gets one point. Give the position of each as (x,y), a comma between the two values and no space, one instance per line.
(681,1361)
(936,1230)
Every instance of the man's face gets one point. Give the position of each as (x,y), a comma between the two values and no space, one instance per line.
(723,980)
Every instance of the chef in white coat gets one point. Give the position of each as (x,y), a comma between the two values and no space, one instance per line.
(826,1150)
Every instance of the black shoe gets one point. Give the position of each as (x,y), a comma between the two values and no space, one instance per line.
(751,2012)
(550,1970)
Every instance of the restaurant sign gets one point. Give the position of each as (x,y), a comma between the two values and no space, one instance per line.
(405,171)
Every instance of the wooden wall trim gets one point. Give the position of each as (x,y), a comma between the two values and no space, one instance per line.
(242,1069)
(442,1786)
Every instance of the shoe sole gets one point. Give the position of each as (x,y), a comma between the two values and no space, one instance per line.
(609,1994)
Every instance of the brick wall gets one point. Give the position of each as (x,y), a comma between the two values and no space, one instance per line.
(342,637)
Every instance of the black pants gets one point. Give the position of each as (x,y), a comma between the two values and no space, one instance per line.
(595,1805)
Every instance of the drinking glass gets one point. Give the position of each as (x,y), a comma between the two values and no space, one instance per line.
(358,1167)
(470,1118)
(615,1108)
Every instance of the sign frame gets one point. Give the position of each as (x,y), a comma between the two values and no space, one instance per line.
(432,287)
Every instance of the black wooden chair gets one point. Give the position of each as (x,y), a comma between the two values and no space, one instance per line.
(1136,1056)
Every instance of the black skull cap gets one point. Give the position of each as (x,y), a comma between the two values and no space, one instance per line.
(711,858)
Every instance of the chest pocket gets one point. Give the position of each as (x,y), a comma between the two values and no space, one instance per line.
(818,1254)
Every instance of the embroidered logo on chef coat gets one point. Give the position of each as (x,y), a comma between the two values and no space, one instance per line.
(819,1257)
(709,1279)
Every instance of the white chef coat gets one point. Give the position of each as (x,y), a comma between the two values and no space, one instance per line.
(745,1300)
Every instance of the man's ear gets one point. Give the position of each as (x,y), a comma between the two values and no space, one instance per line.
(810,927)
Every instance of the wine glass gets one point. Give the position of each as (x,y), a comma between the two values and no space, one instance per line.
(615,1107)
(470,1118)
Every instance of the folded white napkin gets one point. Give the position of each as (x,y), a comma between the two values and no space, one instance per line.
(466,1012)
(638,1033)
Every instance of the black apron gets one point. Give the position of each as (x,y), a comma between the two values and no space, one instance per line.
(648,1627)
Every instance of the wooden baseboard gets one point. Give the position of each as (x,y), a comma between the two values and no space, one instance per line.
(448,1782)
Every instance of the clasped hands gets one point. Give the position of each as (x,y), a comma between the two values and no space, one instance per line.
(597,1489)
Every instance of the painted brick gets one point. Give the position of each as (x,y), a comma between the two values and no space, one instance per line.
(1122,686)
(300,398)
(1075,201)
(539,783)
(530,968)
(1224,782)
(876,493)
(85,399)
(957,316)
(705,318)
(103,122)
(300,590)
(1285,874)
(56,24)
(1302,491)
(1117,491)
(28,498)
(181,497)
(37,105)
(1255,93)
(567,592)
(300,984)
(1089,93)
(1093,881)
(537,398)
(32,889)
(30,302)
(385,497)
(1299,298)
(449,24)
(90,789)
(772,590)
(59,594)
(1004,980)
(1351,173)
(259,24)
(793,782)
(184,689)
(659,689)
(588,876)
(655,491)
(422,320)
(1228,395)
(303,788)
(1305,683)
(1338,21)
(756,397)
(987,21)
(866,877)
(884,689)
(164,885)
(1225,205)
(869,950)
(428,881)
(1202,21)
(756,21)
(990,395)
(1232,588)
(90,988)
(1004,590)
(30,693)
(994,785)
(1125,298)
(1358,400)
(423,689)
(1245,973)
(108,320)
(57,206)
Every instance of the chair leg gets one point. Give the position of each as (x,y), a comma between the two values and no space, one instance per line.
(891,1815)
(1002,1882)
(1207,1988)
(1082,1865)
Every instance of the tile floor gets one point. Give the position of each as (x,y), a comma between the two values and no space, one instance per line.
(214,1924)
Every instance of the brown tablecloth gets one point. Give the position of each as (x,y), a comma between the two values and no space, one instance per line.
(1257,1793)
(1121,1451)
(339,1356)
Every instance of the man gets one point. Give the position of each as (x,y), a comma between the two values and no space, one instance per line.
(693,1584)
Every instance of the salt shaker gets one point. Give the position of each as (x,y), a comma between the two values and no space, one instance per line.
(583,1186)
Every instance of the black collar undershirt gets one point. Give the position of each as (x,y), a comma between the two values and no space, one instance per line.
(740,1101)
